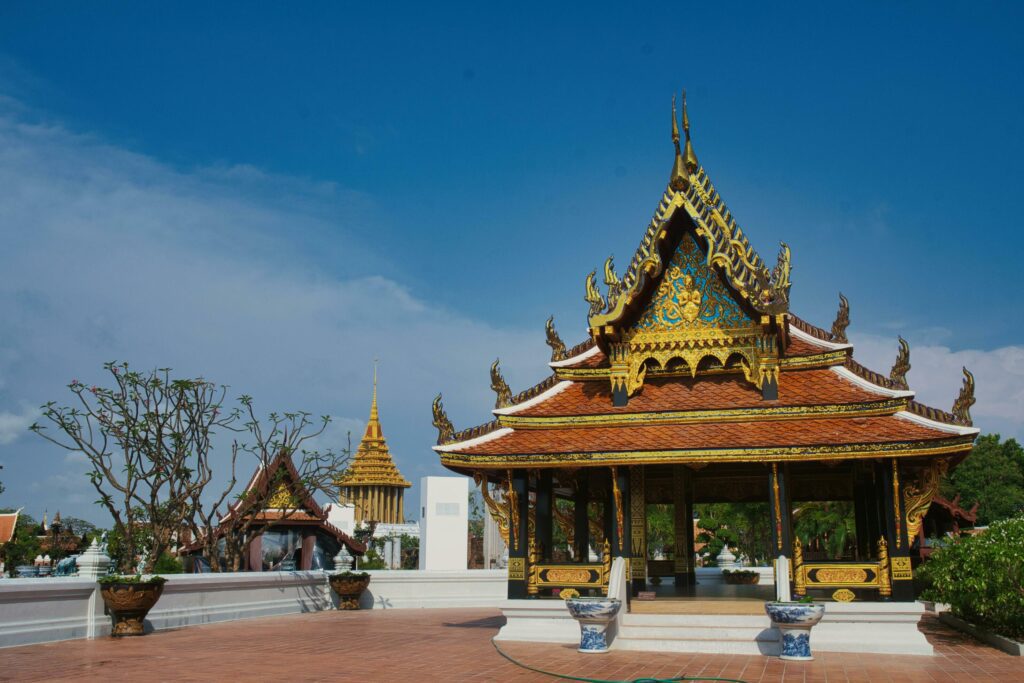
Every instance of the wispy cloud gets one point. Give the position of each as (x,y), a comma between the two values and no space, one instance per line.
(936,375)
(220,272)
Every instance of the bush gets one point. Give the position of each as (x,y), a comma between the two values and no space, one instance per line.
(113,579)
(168,564)
(982,578)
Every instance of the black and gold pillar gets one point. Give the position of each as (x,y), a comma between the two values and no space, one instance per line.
(781,513)
(638,528)
(581,520)
(518,539)
(620,536)
(544,503)
(896,529)
(682,503)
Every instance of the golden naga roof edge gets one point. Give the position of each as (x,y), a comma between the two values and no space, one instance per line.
(896,449)
(690,188)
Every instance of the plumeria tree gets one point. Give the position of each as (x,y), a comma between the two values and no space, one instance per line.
(149,441)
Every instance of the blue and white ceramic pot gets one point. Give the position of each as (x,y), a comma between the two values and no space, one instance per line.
(594,615)
(794,621)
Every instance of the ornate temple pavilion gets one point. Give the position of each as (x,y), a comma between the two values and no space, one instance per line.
(699,384)
(372,482)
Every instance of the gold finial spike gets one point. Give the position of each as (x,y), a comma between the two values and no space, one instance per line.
(691,157)
(675,125)
(680,179)
(373,426)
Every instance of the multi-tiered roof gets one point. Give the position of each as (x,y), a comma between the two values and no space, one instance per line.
(372,482)
(694,355)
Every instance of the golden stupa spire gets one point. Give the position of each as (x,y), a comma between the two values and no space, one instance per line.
(691,158)
(372,481)
(680,178)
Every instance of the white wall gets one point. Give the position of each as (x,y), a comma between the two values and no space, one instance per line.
(444,523)
(46,610)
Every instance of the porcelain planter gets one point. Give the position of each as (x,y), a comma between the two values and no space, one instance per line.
(128,603)
(349,589)
(794,621)
(594,615)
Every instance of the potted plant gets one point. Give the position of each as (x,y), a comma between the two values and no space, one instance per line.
(740,577)
(794,621)
(128,600)
(349,586)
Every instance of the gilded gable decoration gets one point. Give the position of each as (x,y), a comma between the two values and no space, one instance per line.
(901,367)
(842,321)
(554,341)
(445,428)
(499,386)
(962,406)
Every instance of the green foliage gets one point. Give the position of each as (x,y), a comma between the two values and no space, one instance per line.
(992,476)
(23,546)
(661,528)
(114,579)
(745,573)
(744,526)
(372,560)
(169,564)
(828,527)
(476,513)
(350,575)
(981,577)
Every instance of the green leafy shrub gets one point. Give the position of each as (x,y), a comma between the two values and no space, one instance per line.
(168,564)
(130,578)
(350,575)
(982,577)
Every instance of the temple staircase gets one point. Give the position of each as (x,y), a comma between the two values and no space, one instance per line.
(698,626)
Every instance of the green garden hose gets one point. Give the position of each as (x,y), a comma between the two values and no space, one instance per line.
(681,677)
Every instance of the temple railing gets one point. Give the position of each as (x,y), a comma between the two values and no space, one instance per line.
(593,575)
(842,575)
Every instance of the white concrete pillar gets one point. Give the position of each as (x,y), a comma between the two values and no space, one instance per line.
(444,522)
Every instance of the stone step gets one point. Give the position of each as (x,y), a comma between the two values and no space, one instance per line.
(697,620)
(710,645)
(750,633)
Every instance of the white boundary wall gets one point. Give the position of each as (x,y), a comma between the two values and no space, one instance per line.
(46,610)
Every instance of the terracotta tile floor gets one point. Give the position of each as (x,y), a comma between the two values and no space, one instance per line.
(450,645)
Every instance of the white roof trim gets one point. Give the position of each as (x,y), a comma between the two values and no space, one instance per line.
(870,386)
(496,434)
(941,426)
(821,343)
(592,351)
(539,398)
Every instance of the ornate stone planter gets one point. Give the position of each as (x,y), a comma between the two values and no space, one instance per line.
(594,615)
(794,621)
(349,586)
(128,602)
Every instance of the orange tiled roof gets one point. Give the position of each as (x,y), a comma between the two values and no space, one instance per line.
(796,387)
(799,347)
(729,435)
(7,524)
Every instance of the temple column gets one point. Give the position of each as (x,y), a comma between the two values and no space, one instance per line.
(544,502)
(308,544)
(682,504)
(782,529)
(255,554)
(620,537)
(581,520)
(896,532)
(638,528)
(519,509)
(863,501)
(401,507)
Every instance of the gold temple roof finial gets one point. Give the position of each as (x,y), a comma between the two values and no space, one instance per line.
(680,178)
(690,156)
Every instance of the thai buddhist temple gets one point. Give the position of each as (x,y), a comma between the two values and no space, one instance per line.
(698,384)
(372,482)
(290,531)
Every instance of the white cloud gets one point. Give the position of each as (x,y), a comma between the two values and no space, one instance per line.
(15,425)
(936,375)
(221,272)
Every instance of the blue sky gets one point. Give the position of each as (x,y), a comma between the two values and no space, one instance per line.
(274,196)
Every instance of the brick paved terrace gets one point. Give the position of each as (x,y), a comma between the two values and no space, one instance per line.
(451,645)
